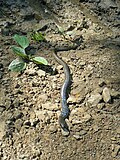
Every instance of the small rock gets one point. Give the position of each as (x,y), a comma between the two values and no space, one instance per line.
(40,114)
(82,63)
(86,117)
(59,67)
(116,150)
(98,90)
(53,129)
(101,82)
(115,94)
(18,124)
(65,133)
(72,99)
(17,114)
(43,97)
(31,72)
(100,105)
(50,106)
(82,132)
(44,115)
(95,128)
(106,95)
(94,99)
(41,73)
(77,136)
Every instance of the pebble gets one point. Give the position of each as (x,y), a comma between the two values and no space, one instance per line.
(106,95)
(40,114)
(94,99)
(17,114)
(115,94)
(82,63)
(77,136)
(53,129)
(41,73)
(18,124)
(43,97)
(65,133)
(86,117)
(101,82)
(72,99)
(82,132)
(31,72)
(50,106)
(95,128)
(59,67)
(116,150)
(100,105)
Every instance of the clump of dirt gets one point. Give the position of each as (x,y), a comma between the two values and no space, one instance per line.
(30,100)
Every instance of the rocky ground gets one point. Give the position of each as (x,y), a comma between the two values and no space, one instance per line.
(30,101)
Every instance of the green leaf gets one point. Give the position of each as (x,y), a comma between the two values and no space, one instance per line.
(19,51)
(17,65)
(21,40)
(40,60)
(37,36)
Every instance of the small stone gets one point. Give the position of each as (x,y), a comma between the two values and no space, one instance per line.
(65,133)
(94,99)
(95,128)
(18,114)
(101,82)
(40,114)
(116,150)
(72,99)
(50,106)
(43,97)
(59,67)
(86,117)
(41,73)
(82,63)
(115,94)
(18,124)
(100,105)
(106,95)
(77,136)
(53,129)
(98,90)
(31,72)
(44,115)
(82,132)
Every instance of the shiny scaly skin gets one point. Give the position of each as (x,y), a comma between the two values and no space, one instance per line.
(65,110)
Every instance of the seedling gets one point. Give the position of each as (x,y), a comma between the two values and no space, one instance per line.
(19,64)
(37,36)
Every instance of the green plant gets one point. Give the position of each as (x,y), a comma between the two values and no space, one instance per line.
(19,64)
(37,36)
